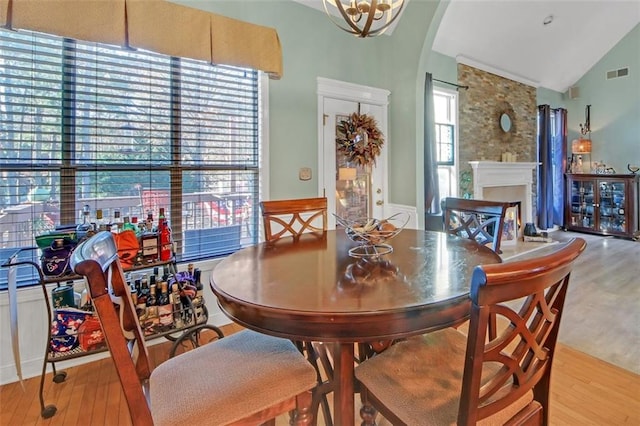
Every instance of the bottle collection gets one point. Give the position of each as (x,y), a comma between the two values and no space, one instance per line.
(154,237)
(167,301)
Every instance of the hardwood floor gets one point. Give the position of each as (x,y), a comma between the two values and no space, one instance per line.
(601,318)
(601,315)
(584,391)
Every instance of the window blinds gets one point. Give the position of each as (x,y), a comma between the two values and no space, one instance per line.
(128,130)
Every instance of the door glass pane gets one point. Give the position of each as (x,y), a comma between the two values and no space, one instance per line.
(352,185)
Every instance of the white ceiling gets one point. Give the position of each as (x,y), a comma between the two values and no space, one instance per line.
(508,38)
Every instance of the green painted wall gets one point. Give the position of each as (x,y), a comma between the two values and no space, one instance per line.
(314,47)
(615,106)
(550,97)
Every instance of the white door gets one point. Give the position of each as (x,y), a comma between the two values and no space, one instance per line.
(352,190)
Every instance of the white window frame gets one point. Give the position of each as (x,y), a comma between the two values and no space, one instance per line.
(448,174)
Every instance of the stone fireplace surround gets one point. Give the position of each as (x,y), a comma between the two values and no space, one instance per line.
(505,181)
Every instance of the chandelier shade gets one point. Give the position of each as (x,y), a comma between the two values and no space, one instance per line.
(364,18)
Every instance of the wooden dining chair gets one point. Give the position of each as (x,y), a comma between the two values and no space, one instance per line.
(295,217)
(445,377)
(478,220)
(247,378)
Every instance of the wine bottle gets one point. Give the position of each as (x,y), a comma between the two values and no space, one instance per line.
(152,320)
(164,308)
(177,308)
(198,301)
(141,300)
(151,298)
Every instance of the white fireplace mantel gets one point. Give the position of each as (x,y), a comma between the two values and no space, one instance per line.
(489,176)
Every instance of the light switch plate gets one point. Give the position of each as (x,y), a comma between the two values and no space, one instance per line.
(304,173)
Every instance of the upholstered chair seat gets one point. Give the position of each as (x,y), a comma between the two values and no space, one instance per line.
(420,380)
(266,371)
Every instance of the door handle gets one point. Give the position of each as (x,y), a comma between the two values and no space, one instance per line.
(379,203)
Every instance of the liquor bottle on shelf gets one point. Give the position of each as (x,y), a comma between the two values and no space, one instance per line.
(149,243)
(141,300)
(101,225)
(198,301)
(127,225)
(134,300)
(165,313)
(117,222)
(134,225)
(197,273)
(152,321)
(142,228)
(178,312)
(85,229)
(164,237)
(149,221)
(139,258)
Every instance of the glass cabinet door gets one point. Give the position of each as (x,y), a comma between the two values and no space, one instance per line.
(612,206)
(582,204)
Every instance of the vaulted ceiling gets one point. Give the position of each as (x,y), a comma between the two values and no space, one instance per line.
(509,38)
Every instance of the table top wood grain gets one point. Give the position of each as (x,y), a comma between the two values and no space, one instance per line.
(312,289)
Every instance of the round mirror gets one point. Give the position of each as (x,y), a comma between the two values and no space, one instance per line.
(505,122)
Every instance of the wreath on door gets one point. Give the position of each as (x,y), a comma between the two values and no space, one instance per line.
(359,139)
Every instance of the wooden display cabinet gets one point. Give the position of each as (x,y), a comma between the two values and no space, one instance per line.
(603,204)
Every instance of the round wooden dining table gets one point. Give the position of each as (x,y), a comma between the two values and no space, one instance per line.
(311,289)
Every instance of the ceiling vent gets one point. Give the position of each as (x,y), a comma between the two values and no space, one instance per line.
(573,92)
(622,72)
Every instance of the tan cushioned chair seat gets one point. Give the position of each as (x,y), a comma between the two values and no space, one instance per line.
(252,371)
(420,380)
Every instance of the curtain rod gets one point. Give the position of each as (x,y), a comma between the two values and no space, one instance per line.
(452,84)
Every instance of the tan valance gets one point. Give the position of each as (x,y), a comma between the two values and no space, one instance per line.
(155,25)
(230,35)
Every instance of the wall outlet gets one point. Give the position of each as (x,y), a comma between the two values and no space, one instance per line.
(304,173)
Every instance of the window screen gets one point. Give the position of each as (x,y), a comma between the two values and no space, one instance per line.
(129,131)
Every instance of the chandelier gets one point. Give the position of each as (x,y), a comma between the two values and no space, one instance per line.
(364,18)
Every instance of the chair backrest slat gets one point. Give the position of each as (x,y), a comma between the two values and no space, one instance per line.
(523,350)
(478,220)
(97,260)
(295,217)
